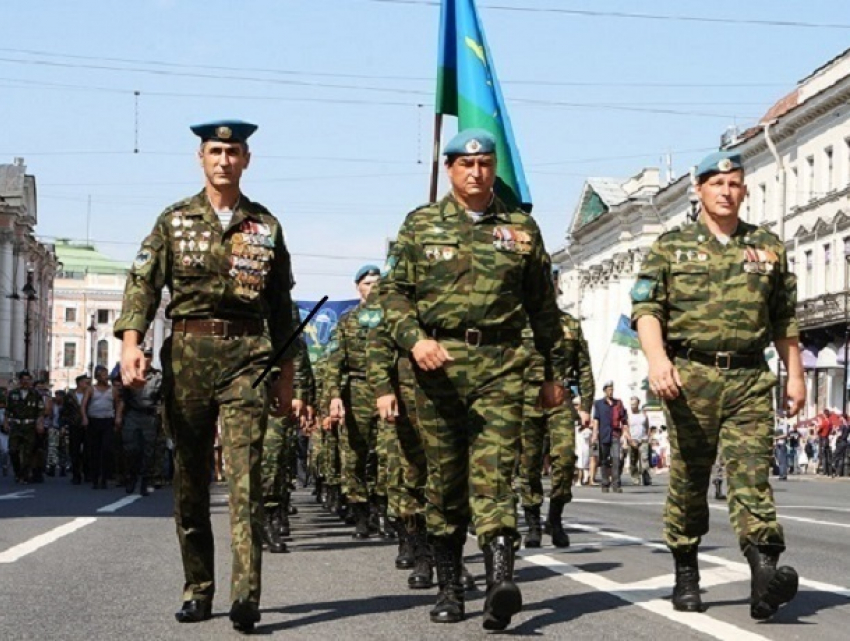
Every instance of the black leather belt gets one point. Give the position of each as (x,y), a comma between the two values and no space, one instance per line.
(722,360)
(477,337)
(219,328)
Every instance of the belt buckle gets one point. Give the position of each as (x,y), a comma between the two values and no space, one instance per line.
(473,337)
(220,328)
(717,360)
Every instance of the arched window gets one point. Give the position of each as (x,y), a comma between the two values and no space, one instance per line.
(103,353)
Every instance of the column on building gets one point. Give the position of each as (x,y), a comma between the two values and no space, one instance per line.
(6,288)
(18,309)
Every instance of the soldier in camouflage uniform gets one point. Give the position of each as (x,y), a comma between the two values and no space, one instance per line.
(352,403)
(707,302)
(224,260)
(24,422)
(560,423)
(277,460)
(466,275)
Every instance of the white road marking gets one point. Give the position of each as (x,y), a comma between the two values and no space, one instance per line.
(23,494)
(28,547)
(114,507)
(17,552)
(648,599)
(786,517)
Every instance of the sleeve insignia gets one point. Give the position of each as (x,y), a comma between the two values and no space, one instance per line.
(643,290)
(142,259)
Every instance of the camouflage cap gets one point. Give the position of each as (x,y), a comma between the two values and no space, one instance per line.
(471,142)
(719,162)
(224,131)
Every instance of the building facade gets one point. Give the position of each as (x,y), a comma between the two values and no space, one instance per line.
(88,294)
(27,267)
(797,163)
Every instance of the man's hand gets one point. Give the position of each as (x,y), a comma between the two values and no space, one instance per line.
(297,408)
(388,407)
(664,378)
(795,395)
(280,395)
(336,409)
(584,417)
(430,355)
(132,365)
(327,423)
(551,395)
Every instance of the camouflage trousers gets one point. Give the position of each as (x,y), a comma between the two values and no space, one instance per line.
(331,456)
(470,414)
(278,460)
(23,449)
(57,448)
(732,409)
(206,379)
(358,441)
(407,471)
(138,436)
(560,424)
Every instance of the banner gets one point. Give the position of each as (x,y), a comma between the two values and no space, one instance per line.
(318,331)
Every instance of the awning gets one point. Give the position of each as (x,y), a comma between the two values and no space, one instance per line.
(828,357)
(809,356)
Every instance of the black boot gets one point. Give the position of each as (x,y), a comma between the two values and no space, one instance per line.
(244,615)
(282,521)
(554,525)
(374,519)
(718,489)
(450,599)
(194,611)
(771,586)
(360,512)
(51,470)
(386,529)
(686,596)
(466,579)
(405,559)
(144,488)
(271,534)
(130,487)
(535,534)
(422,576)
(317,491)
(503,596)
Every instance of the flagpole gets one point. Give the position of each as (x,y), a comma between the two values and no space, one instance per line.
(435,156)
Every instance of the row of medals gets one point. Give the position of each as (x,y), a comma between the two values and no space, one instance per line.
(249,260)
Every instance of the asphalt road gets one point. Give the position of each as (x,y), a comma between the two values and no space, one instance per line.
(76,563)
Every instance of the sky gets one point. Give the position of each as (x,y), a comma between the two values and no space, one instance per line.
(343,93)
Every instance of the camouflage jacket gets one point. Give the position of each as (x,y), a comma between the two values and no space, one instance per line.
(19,408)
(447,271)
(579,370)
(350,342)
(242,272)
(387,367)
(710,297)
(304,388)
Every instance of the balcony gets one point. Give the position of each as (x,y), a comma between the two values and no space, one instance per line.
(822,311)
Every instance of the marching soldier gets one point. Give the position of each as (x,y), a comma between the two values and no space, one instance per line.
(709,299)
(24,423)
(224,260)
(466,275)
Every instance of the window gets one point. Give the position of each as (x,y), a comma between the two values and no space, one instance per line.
(809,268)
(810,178)
(794,187)
(103,353)
(830,182)
(69,358)
(762,206)
(70,314)
(827,259)
(792,264)
(103,317)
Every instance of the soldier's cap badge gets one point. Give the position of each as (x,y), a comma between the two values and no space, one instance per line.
(724,164)
(224,133)
(473,146)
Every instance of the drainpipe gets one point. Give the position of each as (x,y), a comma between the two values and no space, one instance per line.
(781,178)
(780,230)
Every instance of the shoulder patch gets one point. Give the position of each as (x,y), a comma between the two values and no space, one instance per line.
(643,290)
(142,258)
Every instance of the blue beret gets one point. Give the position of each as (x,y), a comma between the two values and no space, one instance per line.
(224,130)
(471,142)
(719,162)
(367,270)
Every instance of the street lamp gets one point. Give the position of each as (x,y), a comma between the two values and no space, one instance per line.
(92,329)
(29,293)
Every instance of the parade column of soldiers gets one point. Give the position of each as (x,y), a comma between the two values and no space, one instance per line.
(24,423)
(225,263)
(709,299)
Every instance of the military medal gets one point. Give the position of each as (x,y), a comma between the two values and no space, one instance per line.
(203,245)
(182,245)
(187,260)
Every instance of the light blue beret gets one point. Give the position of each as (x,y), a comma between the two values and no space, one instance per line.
(471,142)
(224,130)
(719,162)
(367,270)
